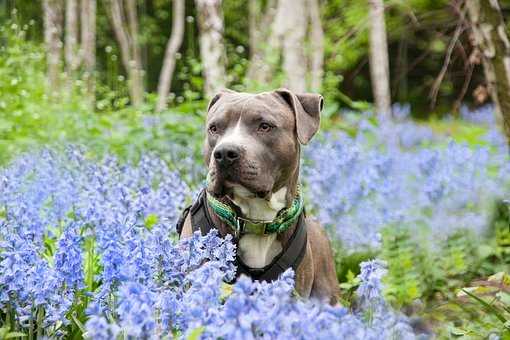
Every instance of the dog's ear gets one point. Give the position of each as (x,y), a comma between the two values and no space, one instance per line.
(217,97)
(307,108)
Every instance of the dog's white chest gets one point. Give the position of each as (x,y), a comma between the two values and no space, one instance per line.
(258,251)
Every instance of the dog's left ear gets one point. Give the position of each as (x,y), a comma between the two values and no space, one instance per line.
(307,108)
(217,97)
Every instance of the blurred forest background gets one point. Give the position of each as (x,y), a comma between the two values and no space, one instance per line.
(156,62)
(128,50)
(136,75)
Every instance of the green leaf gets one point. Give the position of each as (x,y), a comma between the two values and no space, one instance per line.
(3,332)
(151,220)
(195,334)
(15,335)
(490,308)
(457,331)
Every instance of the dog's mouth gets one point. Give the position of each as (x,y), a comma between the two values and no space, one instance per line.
(238,189)
(221,186)
(228,189)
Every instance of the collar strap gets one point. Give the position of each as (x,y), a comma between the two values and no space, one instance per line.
(283,220)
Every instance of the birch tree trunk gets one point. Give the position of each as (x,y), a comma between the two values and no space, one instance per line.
(127,37)
(294,19)
(262,56)
(379,61)
(88,45)
(288,38)
(71,39)
(212,48)
(492,39)
(316,46)
(136,54)
(173,46)
(52,17)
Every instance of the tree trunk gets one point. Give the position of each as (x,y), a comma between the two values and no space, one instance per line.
(88,44)
(262,57)
(254,13)
(71,39)
(492,39)
(52,16)
(379,61)
(127,38)
(173,46)
(316,46)
(136,56)
(294,20)
(288,38)
(212,48)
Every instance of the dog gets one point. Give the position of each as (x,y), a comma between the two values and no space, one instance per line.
(252,149)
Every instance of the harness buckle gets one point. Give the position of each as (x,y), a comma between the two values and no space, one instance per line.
(254,226)
(239,227)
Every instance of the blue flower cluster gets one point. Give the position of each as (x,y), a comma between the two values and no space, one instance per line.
(379,178)
(52,205)
(201,303)
(78,234)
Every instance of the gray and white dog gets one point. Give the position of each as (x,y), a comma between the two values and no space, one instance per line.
(252,150)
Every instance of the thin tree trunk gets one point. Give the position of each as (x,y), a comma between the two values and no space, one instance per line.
(52,16)
(71,39)
(277,33)
(316,46)
(379,61)
(173,46)
(294,20)
(262,56)
(130,54)
(212,48)
(88,42)
(492,39)
(254,12)
(136,56)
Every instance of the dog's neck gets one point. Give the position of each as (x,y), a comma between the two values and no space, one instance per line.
(258,251)
(257,208)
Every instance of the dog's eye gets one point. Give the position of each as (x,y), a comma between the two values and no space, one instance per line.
(213,129)
(265,127)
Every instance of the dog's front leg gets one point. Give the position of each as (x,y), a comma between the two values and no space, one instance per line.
(305,274)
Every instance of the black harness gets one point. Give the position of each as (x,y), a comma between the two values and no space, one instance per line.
(290,257)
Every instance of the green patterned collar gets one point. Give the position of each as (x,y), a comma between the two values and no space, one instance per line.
(283,220)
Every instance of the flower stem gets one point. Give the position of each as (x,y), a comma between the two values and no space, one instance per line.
(89,270)
(40,315)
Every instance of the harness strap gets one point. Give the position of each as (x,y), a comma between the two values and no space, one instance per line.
(290,257)
(200,218)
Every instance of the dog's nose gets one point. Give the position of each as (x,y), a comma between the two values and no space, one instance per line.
(227,154)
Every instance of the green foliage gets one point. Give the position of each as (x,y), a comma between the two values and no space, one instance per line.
(501,229)
(482,310)
(29,113)
(6,333)
(405,281)
(419,271)
(460,131)
(31,117)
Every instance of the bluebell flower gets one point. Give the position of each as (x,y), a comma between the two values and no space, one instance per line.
(135,310)
(68,259)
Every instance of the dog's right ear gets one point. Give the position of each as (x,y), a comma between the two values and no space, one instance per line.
(217,97)
(307,108)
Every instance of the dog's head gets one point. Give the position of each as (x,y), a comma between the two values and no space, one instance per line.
(253,140)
